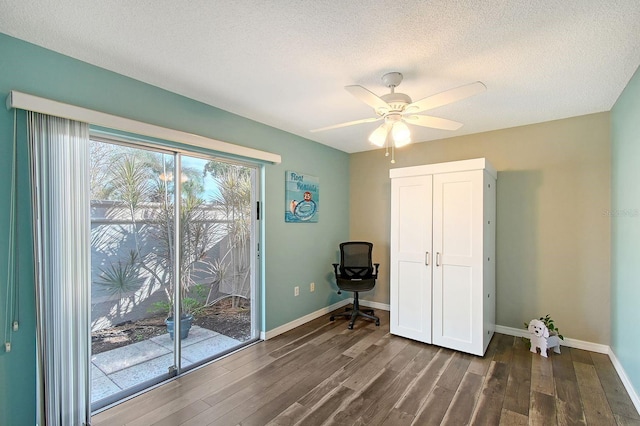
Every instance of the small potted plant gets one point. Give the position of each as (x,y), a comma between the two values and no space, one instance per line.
(553,330)
(191,305)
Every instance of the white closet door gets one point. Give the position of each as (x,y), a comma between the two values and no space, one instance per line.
(457,277)
(411,257)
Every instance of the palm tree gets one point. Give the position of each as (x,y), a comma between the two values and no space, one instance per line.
(234,200)
(142,185)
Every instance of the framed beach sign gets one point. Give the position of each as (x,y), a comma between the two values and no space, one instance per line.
(302,197)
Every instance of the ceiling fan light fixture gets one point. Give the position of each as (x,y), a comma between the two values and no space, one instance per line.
(395,107)
(401,134)
(379,136)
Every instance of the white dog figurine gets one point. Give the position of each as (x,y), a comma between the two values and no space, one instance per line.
(540,338)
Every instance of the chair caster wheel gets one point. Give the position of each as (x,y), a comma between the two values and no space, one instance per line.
(332,318)
(350,326)
(378,323)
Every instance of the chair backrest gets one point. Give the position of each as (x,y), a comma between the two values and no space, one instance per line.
(355,259)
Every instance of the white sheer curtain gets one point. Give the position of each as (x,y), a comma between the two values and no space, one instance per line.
(59,155)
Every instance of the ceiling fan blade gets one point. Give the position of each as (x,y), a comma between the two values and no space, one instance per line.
(349,123)
(446,97)
(433,122)
(369,98)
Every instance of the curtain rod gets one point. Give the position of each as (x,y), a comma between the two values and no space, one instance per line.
(20,100)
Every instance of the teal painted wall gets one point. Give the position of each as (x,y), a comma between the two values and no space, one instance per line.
(625,232)
(294,254)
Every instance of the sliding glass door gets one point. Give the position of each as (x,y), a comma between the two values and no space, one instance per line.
(143,201)
(217,258)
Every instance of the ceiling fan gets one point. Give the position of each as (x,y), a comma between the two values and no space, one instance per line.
(397,109)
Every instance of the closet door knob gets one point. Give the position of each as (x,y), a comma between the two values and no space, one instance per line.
(426,258)
(437,258)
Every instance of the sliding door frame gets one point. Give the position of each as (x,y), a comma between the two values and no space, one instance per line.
(256,262)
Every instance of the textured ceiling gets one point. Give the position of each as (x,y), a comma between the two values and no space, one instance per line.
(285,62)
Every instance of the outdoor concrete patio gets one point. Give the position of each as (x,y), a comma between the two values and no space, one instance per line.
(130,365)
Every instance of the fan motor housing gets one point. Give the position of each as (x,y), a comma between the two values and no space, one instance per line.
(397,101)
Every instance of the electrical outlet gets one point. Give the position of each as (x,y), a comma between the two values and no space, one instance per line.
(312,287)
(296,291)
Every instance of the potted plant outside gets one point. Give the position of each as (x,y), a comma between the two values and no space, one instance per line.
(191,306)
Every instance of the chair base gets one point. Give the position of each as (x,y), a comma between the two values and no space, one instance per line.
(355,312)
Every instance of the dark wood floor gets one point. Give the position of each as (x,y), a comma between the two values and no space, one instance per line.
(323,373)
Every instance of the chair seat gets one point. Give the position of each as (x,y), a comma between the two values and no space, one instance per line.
(356,285)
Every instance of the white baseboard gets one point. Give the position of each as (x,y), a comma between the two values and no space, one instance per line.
(374,305)
(303,320)
(317,314)
(572,343)
(625,380)
(510,331)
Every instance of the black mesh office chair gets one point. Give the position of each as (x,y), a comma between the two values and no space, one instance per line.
(356,273)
